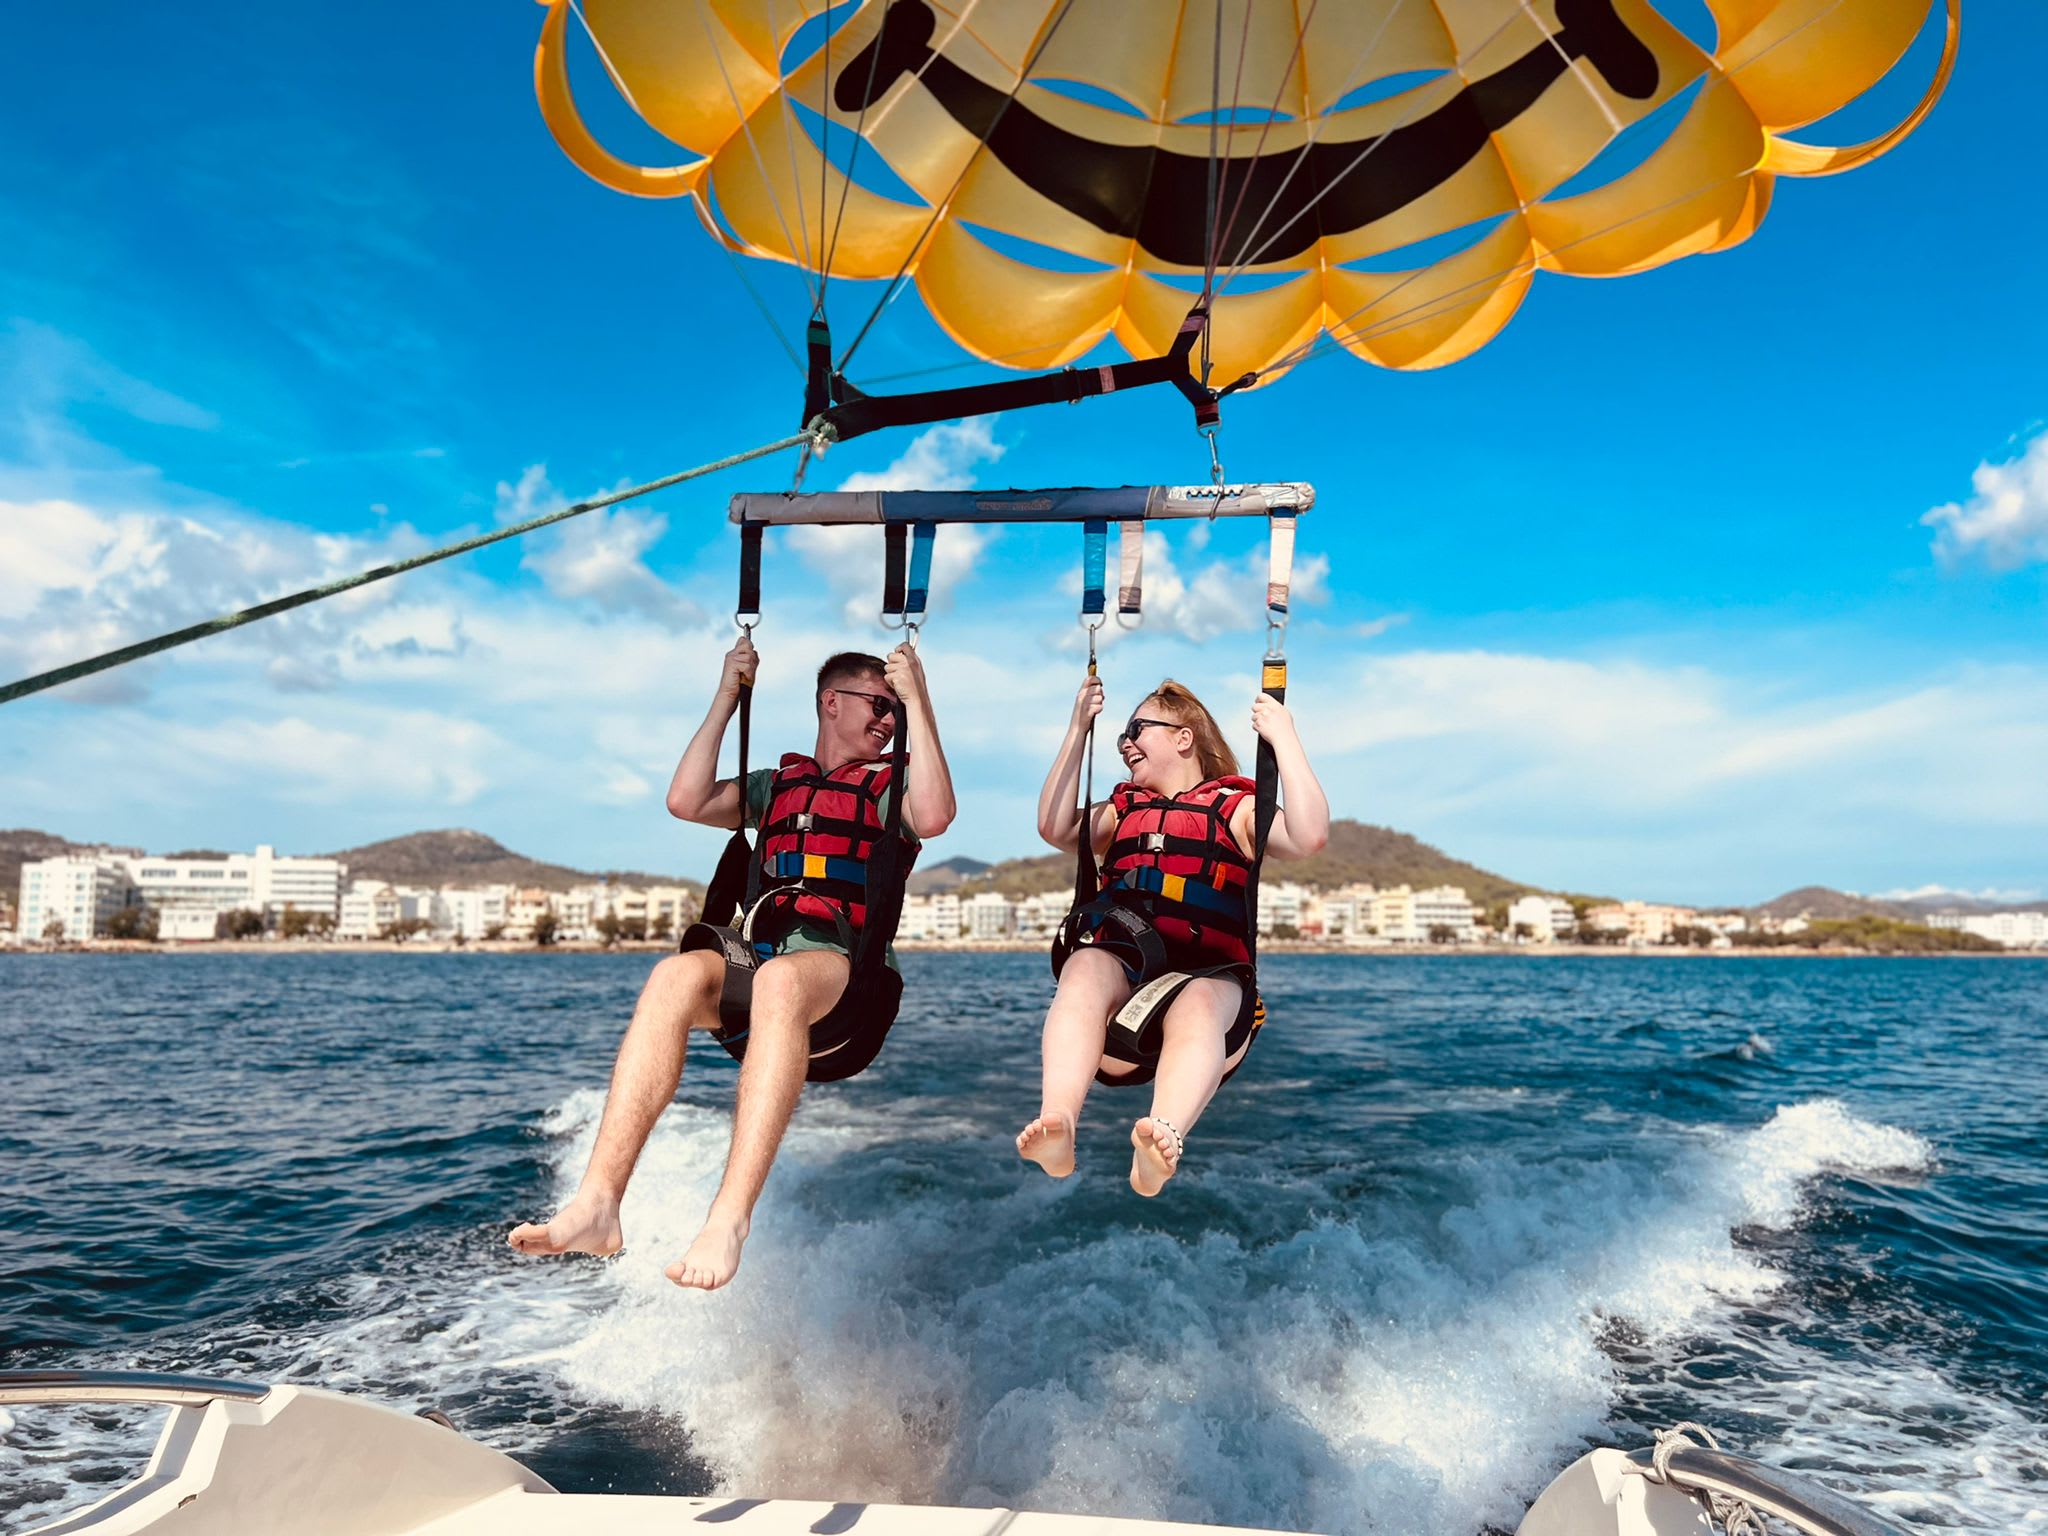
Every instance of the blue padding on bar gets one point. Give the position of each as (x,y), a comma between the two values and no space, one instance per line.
(919,586)
(1094,564)
(1071,505)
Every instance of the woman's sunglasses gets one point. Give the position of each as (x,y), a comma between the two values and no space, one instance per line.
(1137,724)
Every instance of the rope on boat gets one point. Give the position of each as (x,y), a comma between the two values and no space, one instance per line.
(1734,1516)
(177,637)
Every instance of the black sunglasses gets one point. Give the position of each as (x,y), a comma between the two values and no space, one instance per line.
(1137,724)
(880,703)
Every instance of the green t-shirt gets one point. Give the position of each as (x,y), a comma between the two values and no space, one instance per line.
(805,935)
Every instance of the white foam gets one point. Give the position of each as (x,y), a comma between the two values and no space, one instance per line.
(1376,1372)
(1363,1376)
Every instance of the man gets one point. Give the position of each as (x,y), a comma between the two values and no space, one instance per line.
(792,990)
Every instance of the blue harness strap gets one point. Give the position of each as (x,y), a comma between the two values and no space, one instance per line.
(920,581)
(1094,564)
(817,866)
(1179,888)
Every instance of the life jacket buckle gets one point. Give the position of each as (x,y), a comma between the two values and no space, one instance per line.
(803,821)
(1153,842)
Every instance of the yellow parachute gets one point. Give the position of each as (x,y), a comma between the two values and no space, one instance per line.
(1161,147)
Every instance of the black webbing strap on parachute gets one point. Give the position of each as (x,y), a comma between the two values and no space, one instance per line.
(854,413)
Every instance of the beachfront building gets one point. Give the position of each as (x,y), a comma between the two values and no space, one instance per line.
(189,896)
(1040,916)
(669,909)
(1393,915)
(2015,930)
(1281,905)
(470,912)
(988,916)
(1548,918)
(1644,922)
(368,908)
(1347,914)
(77,893)
(1446,907)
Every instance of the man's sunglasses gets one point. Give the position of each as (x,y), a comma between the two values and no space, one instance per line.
(880,703)
(1137,724)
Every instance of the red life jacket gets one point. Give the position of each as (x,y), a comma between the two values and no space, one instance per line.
(818,834)
(1176,856)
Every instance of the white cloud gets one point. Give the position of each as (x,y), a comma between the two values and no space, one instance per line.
(597,556)
(1946,892)
(849,558)
(2006,521)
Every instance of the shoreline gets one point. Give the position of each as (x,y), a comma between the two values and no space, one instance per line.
(1015,947)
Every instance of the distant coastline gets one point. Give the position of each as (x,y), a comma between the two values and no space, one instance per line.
(1267,948)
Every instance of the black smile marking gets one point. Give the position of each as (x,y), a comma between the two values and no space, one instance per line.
(1160,197)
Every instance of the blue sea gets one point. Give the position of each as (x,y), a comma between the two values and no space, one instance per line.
(1457,1220)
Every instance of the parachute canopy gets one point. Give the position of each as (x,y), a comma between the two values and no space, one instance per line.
(1387,173)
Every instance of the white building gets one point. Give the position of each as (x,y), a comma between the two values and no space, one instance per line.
(1548,918)
(368,909)
(989,915)
(472,911)
(80,891)
(1645,922)
(2015,930)
(189,896)
(1040,916)
(1281,905)
(1445,906)
(1347,913)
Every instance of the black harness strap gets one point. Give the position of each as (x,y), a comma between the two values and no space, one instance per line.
(895,540)
(1272,680)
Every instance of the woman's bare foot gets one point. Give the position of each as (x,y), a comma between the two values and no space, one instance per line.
(713,1258)
(587,1224)
(1157,1154)
(1049,1142)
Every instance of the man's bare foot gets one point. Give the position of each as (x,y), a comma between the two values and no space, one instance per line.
(713,1258)
(587,1224)
(1049,1142)
(1157,1154)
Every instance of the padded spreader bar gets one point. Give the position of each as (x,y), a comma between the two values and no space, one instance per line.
(1072,504)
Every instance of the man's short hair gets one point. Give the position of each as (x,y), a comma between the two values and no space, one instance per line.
(847,667)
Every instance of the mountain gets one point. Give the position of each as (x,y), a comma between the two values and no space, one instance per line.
(946,876)
(1818,901)
(462,857)
(1356,853)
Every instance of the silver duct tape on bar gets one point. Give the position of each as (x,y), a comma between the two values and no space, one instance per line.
(1073,504)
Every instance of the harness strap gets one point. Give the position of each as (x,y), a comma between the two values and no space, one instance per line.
(1183,890)
(1131,560)
(893,537)
(1094,564)
(1279,561)
(750,571)
(921,536)
(820,866)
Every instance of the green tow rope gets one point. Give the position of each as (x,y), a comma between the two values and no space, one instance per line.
(178,637)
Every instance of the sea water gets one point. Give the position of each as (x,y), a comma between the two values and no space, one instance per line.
(1456,1221)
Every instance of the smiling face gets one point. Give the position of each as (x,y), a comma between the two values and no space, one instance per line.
(855,717)
(1157,750)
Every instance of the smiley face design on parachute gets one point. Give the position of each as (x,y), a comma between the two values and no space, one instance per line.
(1159,197)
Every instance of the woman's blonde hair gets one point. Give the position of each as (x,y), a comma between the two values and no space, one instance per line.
(1212,753)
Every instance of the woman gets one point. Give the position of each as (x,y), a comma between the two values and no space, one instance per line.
(1175,840)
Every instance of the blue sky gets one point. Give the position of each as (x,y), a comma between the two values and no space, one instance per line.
(1641,599)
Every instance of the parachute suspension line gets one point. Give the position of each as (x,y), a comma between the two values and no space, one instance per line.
(1094,568)
(1358,67)
(1266,129)
(790,129)
(1357,161)
(939,209)
(754,148)
(853,154)
(746,282)
(1576,68)
(1215,169)
(277,605)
